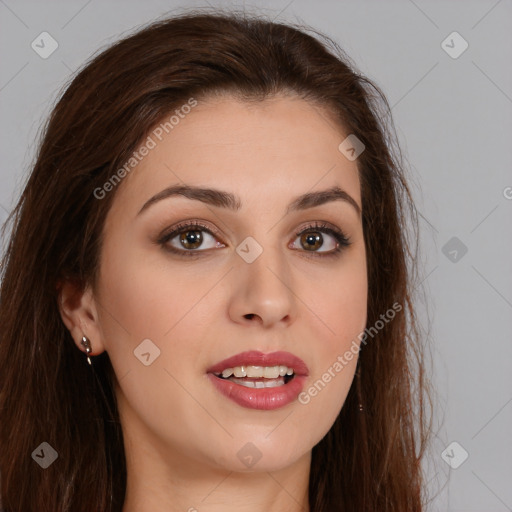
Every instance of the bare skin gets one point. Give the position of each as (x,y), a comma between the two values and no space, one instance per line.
(181,435)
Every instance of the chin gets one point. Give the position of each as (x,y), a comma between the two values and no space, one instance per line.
(254,454)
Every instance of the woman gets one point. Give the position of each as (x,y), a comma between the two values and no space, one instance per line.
(206,299)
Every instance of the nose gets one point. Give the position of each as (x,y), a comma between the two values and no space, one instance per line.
(262,292)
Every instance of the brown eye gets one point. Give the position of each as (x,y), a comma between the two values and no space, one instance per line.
(191,239)
(316,241)
(311,241)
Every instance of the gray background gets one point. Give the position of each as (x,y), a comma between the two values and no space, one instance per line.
(454,121)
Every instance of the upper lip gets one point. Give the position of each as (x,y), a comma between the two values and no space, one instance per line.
(255,358)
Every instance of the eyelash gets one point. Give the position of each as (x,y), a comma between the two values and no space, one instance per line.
(339,236)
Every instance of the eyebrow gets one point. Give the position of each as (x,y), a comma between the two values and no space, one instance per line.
(223,199)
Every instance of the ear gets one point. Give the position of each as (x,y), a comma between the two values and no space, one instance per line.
(79,313)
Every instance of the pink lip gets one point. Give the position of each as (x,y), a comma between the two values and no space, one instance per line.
(261,398)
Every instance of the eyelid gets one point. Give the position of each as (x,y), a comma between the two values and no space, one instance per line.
(320,225)
(189,224)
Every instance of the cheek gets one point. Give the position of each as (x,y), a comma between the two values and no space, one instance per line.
(340,313)
(339,302)
(146,298)
(335,359)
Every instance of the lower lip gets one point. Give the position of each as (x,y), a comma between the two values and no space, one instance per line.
(265,399)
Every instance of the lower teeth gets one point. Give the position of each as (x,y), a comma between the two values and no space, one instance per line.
(268,383)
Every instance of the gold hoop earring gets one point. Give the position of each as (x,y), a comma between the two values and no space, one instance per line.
(87,345)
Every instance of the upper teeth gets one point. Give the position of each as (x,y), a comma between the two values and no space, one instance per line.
(267,372)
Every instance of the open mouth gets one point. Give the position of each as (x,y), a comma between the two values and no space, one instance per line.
(255,380)
(258,376)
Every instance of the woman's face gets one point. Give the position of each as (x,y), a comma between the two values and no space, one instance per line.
(175,301)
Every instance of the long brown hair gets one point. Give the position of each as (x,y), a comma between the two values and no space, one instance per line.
(368,461)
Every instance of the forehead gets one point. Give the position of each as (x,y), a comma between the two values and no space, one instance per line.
(271,150)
